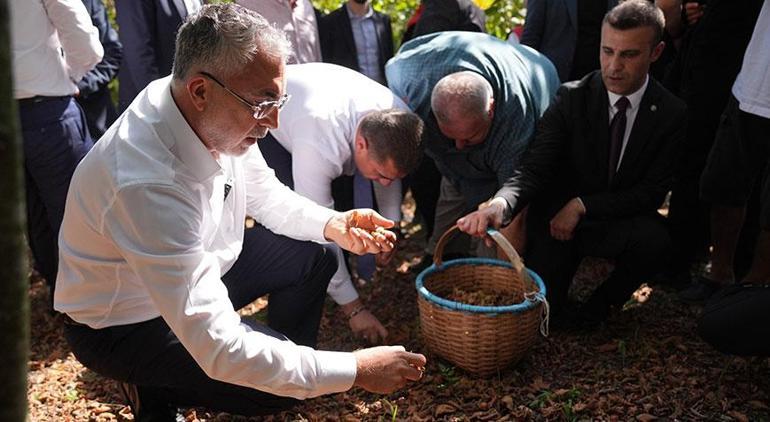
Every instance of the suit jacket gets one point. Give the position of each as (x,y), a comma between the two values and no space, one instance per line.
(338,45)
(551,28)
(569,156)
(148,32)
(447,15)
(94,96)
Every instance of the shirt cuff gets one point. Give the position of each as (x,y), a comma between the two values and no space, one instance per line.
(507,217)
(337,372)
(344,292)
(318,218)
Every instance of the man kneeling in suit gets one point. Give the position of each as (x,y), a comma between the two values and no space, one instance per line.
(599,168)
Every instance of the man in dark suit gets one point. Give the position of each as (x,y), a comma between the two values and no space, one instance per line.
(148,32)
(357,37)
(445,15)
(94,94)
(599,168)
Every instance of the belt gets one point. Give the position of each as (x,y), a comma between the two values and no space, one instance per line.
(41,99)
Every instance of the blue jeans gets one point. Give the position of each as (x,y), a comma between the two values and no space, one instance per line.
(55,140)
(149,355)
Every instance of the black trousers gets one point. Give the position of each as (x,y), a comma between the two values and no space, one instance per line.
(55,140)
(735,320)
(148,354)
(639,245)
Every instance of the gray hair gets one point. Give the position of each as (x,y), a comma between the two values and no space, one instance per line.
(223,38)
(394,134)
(633,14)
(461,93)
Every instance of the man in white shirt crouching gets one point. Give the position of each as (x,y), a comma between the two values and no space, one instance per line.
(359,143)
(154,260)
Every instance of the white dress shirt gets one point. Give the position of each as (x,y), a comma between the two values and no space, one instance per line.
(148,232)
(54,44)
(634,100)
(318,127)
(752,86)
(299,25)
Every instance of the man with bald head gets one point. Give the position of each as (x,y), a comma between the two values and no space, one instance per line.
(479,98)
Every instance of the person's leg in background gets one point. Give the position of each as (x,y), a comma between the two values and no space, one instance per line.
(640,247)
(450,207)
(555,261)
(425,184)
(55,140)
(736,161)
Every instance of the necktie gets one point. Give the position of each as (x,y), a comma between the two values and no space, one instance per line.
(617,131)
(363,198)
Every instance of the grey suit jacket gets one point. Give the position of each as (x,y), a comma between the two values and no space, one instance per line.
(551,28)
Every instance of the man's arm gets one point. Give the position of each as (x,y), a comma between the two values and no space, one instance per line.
(78,36)
(107,69)
(288,213)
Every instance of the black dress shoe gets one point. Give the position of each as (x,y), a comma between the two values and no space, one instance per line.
(147,407)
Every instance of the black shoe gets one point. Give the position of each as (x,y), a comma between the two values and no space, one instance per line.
(700,291)
(146,407)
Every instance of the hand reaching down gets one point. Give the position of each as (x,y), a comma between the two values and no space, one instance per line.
(385,369)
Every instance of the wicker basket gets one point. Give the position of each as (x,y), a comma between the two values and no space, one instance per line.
(480,339)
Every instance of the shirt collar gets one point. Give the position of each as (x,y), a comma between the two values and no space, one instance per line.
(185,144)
(369,12)
(634,99)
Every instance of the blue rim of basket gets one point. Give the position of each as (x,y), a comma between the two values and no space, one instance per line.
(459,306)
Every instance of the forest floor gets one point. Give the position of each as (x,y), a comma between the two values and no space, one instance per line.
(645,364)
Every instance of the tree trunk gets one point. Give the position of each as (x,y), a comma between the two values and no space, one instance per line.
(14,299)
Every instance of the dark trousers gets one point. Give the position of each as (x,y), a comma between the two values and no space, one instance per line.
(639,245)
(55,140)
(734,321)
(425,184)
(148,354)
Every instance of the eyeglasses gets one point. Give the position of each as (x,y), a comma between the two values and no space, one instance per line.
(261,109)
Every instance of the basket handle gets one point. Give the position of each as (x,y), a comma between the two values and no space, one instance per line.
(498,237)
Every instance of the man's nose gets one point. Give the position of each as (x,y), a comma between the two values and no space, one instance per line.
(616,63)
(270,119)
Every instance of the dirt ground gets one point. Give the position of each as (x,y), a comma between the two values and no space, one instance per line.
(645,364)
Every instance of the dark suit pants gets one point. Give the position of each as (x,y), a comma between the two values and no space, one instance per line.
(638,245)
(734,321)
(148,354)
(55,140)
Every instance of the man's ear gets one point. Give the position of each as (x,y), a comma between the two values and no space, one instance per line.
(198,90)
(361,144)
(657,51)
(491,111)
